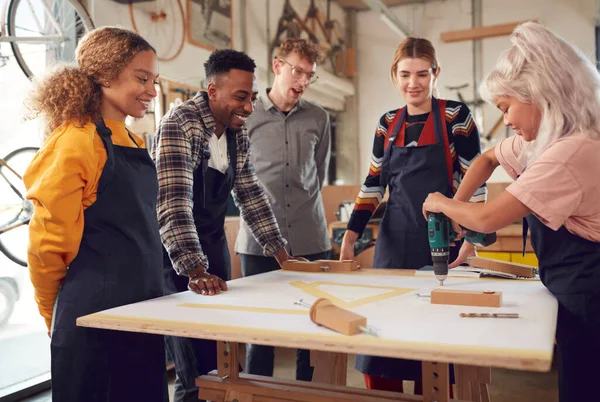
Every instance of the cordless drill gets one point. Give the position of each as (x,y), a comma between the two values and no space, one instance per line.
(441,234)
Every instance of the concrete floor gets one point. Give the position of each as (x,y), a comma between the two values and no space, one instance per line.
(507,385)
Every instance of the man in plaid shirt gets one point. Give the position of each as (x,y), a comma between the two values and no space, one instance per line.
(202,154)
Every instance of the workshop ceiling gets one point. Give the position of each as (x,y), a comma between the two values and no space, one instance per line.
(361,5)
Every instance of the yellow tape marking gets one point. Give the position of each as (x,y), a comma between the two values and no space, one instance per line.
(313,290)
(245,309)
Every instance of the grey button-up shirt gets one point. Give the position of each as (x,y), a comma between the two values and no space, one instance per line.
(290,154)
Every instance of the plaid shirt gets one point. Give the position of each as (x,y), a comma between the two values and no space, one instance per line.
(181,136)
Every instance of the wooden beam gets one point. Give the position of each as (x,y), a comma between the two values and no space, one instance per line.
(360,5)
(489,31)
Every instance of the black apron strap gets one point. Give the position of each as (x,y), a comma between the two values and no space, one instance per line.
(437,119)
(525,231)
(384,178)
(109,167)
(232,152)
(204,158)
(439,137)
(525,227)
(132,139)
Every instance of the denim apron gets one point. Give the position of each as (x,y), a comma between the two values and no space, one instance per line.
(569,267)
(119,262)
(402,242)
(195,357)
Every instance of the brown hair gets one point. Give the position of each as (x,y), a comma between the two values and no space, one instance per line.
(415,48)
(73,92)
(303,47)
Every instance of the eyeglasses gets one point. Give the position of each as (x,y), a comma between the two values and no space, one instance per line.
(298,73)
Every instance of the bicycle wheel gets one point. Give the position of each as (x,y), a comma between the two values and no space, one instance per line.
(15,210)
(47,32)
(162,23)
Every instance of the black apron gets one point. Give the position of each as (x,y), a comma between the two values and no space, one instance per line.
(194,357)
(118,263)
(570,268)
(411,173)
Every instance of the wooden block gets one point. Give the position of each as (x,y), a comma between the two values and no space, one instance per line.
(466,297)
(324,312)
(320,265)
(489,31)
(526,271)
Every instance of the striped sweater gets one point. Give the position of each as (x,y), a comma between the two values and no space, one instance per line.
(463,139)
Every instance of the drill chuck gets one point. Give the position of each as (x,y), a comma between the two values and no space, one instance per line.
(439,256)
(440,269)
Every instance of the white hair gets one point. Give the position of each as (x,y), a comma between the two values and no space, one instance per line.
(544,70)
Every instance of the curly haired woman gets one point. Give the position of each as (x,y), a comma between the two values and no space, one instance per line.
(94,240)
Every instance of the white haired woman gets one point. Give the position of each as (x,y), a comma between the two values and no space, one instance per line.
(549,93)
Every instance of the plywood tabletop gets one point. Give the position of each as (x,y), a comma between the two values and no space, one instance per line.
(261,310)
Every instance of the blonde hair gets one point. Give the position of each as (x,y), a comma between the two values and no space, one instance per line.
(413,48)
(544,70)
(73,92)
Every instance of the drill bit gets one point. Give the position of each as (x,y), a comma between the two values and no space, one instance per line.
(490,315)
(302,303)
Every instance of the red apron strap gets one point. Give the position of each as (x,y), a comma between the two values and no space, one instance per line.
(391,128)
(449,161)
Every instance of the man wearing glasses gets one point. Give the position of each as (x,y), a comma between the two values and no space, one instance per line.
(290,148)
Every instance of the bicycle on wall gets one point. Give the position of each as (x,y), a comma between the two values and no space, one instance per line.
(320,30)
(42,32)
(15,210)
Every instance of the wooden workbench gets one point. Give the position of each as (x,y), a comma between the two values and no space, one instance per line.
(261,310)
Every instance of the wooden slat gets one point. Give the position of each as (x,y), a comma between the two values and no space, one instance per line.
(472,382)
(526,271)
(235,396)
(330,368)
(361,5)
(489,31)
(286,390)
(227,360)
(314,386)
(211,394)
(436,383)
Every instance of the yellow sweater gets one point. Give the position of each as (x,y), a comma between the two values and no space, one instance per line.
(61,182)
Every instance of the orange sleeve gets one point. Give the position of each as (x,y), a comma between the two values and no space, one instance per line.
(58,182)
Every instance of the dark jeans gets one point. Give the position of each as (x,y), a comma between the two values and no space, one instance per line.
(260,359)
(578,346)
(194,357)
